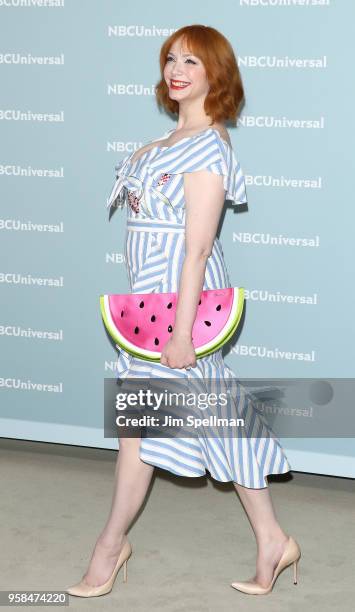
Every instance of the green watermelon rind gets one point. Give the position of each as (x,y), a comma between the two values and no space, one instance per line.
(230,327)
(224,335)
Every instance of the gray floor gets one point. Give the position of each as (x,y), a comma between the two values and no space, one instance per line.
(190,541)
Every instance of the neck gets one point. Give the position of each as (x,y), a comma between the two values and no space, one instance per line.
(192,116)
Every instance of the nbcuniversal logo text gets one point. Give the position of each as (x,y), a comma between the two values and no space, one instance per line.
(265,121)
(264,295)
(132,89)
(15,278)
(111,366)
(115,258)
(32,3)
(285,62)
(283,3)
(12,114)
(261,180)
(122,147)
(140,31)
(30,172)
(15,331)
(28,385)
(29,59)
(16,225)
(267,239)
(263,352)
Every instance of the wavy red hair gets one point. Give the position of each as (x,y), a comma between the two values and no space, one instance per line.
(226,93)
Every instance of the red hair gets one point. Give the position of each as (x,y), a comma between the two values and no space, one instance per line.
(214,50)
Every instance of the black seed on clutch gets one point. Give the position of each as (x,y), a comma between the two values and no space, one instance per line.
(207,323)
(170,329)
(199,302)
(121,313)
(156,341)
(218,307)
(170,305)
(136,330)
(152,318)
(141,305)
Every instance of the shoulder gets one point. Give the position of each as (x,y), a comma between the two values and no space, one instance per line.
(222,132)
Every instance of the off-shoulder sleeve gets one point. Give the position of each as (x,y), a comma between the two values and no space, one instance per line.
(233,178)
(207,151)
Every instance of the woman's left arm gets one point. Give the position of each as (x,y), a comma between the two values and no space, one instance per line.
(204,199)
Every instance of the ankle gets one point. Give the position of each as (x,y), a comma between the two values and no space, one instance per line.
(111,542)
(275,536)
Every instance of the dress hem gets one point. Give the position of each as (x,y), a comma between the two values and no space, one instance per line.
(207,472)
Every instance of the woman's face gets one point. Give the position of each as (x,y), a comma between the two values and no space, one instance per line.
(185,74)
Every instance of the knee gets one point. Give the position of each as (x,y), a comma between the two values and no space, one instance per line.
(129,443)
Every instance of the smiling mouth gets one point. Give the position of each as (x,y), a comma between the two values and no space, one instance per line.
(178,84)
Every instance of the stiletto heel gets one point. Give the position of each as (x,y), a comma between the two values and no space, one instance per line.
(82,589)
(290,555)
(295,571)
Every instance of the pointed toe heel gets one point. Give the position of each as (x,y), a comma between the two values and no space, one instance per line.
(291,555)
(82,589)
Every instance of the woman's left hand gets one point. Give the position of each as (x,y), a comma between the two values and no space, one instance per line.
(178,352)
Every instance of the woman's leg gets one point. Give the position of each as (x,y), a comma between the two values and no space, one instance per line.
(132,478)
(270,538)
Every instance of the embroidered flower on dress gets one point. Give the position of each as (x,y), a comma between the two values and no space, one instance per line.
(133,201)
(164,177)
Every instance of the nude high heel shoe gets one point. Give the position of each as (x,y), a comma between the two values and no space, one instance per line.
(290,555)
(82,589)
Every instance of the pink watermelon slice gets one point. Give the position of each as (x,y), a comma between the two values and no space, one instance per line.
(142,323)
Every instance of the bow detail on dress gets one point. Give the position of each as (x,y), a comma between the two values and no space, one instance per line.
(117,192)
(139,187)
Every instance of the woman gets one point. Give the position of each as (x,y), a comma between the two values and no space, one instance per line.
(192,167)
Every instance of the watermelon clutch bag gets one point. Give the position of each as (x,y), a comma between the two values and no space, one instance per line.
(142,323)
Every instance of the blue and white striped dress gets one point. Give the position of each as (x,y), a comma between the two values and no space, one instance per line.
(152,190)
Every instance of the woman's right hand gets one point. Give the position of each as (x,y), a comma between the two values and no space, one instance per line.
(179,352)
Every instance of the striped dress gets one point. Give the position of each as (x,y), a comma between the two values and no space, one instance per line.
(152,192)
